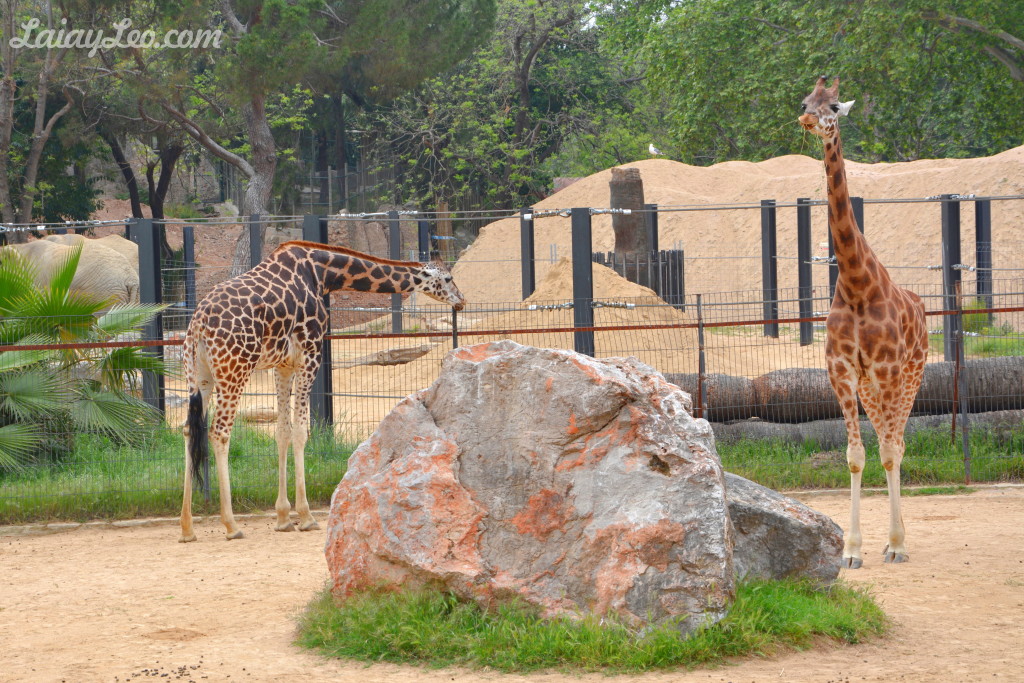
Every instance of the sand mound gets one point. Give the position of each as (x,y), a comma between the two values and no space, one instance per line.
(723,247)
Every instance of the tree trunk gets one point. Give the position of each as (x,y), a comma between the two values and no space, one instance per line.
(831,434)
(632,246)
(169,153)
(261,182)
(7,91)
(42,128)
(795,395)
(130,180)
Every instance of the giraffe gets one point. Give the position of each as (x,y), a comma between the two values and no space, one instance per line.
(876,340)
(274,316)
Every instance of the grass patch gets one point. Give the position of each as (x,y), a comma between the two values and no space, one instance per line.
(931,459)
(103,479)
(433,629)
(939,490)
(988,342)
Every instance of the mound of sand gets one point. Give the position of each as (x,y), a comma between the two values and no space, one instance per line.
(723,247)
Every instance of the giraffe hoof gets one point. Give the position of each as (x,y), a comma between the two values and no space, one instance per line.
(896,558)
(851,563)
(286,526)
(309,526)
(187,539)
(236,535)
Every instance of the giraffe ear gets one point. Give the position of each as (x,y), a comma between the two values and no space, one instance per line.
(845,107)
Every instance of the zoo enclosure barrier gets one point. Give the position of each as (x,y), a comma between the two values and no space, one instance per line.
(714,336)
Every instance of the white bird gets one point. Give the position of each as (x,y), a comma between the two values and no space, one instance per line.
(653,150)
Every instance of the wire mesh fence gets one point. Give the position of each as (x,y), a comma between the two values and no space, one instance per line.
(754,367)
(750,386)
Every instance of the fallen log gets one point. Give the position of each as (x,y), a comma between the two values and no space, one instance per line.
(795,395)
(390,356)
(831,434)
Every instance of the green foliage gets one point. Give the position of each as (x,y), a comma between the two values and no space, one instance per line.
(438,630)
(932,457)
(733,73)
(48,394)
(103,477)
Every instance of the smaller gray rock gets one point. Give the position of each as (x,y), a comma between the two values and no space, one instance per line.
(777,537)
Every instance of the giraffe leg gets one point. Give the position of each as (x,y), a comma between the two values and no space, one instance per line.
(892,455)
(220,438)
(188,533)
(844,383)
(300,433)
(283,380)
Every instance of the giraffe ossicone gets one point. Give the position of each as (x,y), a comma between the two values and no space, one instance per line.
(274,317)
(876,344)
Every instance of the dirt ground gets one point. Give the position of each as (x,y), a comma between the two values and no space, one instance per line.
(116,604)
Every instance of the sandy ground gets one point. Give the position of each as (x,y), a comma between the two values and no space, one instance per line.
(118,604)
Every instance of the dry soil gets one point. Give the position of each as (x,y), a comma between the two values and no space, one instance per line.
(119,604)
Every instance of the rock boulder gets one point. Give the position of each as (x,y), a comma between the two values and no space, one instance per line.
(777,537)
(577,485)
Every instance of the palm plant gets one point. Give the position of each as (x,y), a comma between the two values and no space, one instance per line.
(69,388)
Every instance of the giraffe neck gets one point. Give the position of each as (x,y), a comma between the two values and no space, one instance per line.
(339,271)
(858,265)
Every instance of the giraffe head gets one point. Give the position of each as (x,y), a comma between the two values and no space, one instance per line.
(822,109)
(437,283)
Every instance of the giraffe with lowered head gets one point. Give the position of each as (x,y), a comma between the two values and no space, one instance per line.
(876,342)
(274,316)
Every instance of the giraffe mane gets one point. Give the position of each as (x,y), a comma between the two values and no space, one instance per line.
(344,250)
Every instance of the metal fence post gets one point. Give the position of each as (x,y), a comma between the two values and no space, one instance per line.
(769,268)
(255,241)
(188,248)
(950,277)
(526,254)
(983,251)
(321,399)
(833,269)
(698,408)
(651,220)
(582,281)
(150,292)
(423,238)
(804,275)
(858,212)
(395,252)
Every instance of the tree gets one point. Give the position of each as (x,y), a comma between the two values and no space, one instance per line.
(82,390)
(376,48)
(735,70)
(489,125)
(34,73)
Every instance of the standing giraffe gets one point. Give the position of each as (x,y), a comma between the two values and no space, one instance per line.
(274,316)
(876,338)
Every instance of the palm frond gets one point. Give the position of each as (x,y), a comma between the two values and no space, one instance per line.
(60,280)
(122,318)
(17,444)
(32,394)
(17,278)
(116,366)
(116,414)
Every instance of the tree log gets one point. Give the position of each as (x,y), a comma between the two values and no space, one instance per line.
(831,434)
(795,395)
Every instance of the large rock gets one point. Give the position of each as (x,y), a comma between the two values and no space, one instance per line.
(575,484)
(777,537)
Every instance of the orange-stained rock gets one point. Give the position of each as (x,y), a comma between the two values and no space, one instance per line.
(578,485)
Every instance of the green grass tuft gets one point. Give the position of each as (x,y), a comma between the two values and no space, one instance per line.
(433,629)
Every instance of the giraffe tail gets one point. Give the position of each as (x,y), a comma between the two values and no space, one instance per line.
(198,441)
